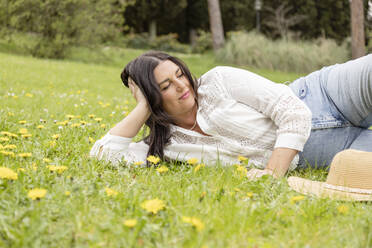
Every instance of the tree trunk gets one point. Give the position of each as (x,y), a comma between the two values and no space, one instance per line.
(357,29)
(193,36)
(152,30)
(216,24)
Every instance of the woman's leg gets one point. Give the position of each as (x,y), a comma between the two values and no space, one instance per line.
(349,87)
(363,142)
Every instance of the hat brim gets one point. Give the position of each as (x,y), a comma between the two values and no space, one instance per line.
(309,187)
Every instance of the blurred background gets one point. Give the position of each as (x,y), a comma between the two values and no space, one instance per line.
(286,35)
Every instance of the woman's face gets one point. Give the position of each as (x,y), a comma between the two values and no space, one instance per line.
(177,93)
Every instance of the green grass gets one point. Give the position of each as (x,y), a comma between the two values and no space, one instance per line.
(88,217)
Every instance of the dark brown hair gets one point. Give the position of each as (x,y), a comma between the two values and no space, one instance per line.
(141,71)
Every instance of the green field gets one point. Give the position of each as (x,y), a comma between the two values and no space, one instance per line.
(212,207)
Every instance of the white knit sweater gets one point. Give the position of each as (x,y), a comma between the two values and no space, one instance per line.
(244,113)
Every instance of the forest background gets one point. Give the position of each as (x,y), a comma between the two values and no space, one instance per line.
(289,35)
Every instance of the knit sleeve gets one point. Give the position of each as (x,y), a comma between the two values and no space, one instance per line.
(117,149)
(276,101)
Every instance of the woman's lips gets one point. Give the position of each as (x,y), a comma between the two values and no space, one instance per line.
(184,96)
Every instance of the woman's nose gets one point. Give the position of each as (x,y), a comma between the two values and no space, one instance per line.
(180,85)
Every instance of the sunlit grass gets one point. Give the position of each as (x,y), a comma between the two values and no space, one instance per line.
(66,106)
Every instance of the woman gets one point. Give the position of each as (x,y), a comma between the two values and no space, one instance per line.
(230,112)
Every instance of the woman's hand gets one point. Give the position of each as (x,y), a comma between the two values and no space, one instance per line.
(254,173)
(137,93)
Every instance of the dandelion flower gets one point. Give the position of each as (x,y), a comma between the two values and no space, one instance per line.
(6,153)
(297,198)
(57,168)
(91,140)
(192,161)
(138,163)
(153,206)
(130,223)
(25,155)
(10,114)
(111,192)
(198,167)
(29,95)
(67,193)
(6,173)
(98,119)
(9,134)
(195,222)
(343,209)
(40,127)
(56,136)
(10,147)
(162,169)
(249,194)
(70,117)
(47,160)
(27,135)
(4,139)
(242,158)
(76,125)
(52,143)
(91,116)
(22,122)
(37,193)
(21,169)
(62,123)
(153,159)
(23,131)
(242,170)
(103,125)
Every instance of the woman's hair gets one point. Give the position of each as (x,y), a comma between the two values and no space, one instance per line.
(141,71)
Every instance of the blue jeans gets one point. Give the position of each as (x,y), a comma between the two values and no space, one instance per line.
(340,99)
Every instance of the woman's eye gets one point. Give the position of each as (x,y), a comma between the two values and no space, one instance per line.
(166,87)
(180,75)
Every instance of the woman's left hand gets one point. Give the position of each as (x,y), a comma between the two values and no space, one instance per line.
(254,173)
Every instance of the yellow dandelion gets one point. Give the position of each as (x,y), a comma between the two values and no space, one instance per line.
(242,158)
(47,160)
(9,134)
(162,169)
(138,163)
(23,131)
(4,139)
(91,140)
(67,193)
(98,119)
(6,153)
(130,223)
(193,161)
(83,122)
(21,169)
(103,125)
(62,123)
(29,95)
(15,97)
(25,155)
(52,143)
(40,127)
(57,168)
(22,122)
(198,167)
(249,194)
(10,147)
(76,125)
(297,198)
(56,136)
(6,173)
(27,135)
(37,193)
(70,117)
(111,192)
(91,116)
(1,147)
(153,206)
(195,222)
(153,159)
(241,170)
(237,189)
(10,114)
(34,166)
(343,209)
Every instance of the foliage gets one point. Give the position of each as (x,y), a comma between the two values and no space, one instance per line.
(255,50)
(78,211)
(167,42)
(204,42)
(57,25)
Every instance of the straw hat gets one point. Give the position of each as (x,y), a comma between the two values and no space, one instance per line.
(349,178)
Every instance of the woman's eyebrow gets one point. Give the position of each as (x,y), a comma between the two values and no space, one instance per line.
(165,80)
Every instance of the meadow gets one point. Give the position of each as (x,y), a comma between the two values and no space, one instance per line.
(52,112)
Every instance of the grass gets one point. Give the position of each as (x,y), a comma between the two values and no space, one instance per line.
(76,210)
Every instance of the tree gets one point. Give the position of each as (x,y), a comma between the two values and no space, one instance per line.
(358,48)
(215,22)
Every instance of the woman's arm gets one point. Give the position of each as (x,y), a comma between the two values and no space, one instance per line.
(130,125)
